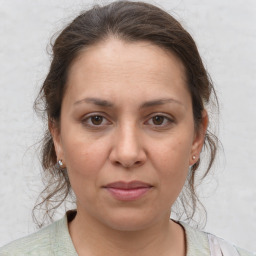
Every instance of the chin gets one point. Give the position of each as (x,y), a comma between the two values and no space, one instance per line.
(130,221)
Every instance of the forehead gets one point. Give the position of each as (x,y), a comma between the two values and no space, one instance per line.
(116,53)
(114,66)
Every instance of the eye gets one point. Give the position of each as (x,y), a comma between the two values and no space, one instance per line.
(160,120)
(95,120)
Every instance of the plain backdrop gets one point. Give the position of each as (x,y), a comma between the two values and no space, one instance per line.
(225,33)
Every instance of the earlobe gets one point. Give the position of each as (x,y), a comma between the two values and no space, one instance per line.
(199,139)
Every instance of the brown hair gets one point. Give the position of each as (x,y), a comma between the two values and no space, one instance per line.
(131,22)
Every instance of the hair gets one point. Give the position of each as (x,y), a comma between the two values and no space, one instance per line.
(130,22)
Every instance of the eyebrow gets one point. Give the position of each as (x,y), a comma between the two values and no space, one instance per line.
(95,101)
(147,104)
(157,102)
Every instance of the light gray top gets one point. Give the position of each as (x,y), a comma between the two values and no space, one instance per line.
(54,240)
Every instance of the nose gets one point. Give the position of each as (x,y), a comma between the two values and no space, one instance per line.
(127,150)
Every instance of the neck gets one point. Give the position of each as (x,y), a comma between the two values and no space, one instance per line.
(90,237)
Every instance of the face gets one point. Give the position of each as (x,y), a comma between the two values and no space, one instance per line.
(127,133)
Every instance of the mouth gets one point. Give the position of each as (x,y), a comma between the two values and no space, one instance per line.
(128,191)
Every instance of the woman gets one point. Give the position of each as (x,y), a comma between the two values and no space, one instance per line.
(125,98)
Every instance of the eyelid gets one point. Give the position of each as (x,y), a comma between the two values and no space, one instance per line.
(88,116)
(166,116)
(170,120)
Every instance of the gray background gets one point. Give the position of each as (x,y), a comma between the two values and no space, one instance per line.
(226,36)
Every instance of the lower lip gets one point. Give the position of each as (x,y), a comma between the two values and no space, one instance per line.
(128,194)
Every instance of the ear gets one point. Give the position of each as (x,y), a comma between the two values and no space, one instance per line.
(55,132)
(199,137)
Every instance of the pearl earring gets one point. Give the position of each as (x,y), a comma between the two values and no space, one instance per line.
(60,163)
(193,157)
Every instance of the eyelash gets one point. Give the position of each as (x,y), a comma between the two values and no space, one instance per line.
(86,120)
(167,121)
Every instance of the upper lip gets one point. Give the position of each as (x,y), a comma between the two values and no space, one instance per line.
(128,185)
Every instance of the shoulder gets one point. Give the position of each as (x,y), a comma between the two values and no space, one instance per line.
(51,240)
(205,244)
(37,242)
(219,245)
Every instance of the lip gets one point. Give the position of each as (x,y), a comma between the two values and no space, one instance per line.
(128,191)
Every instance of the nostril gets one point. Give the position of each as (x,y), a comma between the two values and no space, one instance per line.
(127,165)
(138,163)
(134,164)
(121,156)
(117,163)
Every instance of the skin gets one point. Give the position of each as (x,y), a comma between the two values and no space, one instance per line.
(127,142)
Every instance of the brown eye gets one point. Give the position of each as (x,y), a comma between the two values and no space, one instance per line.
(96,120)
(158,120)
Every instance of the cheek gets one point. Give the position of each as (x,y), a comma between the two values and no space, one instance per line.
(84,160)
(171,159)
(172,154)
(84,156)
